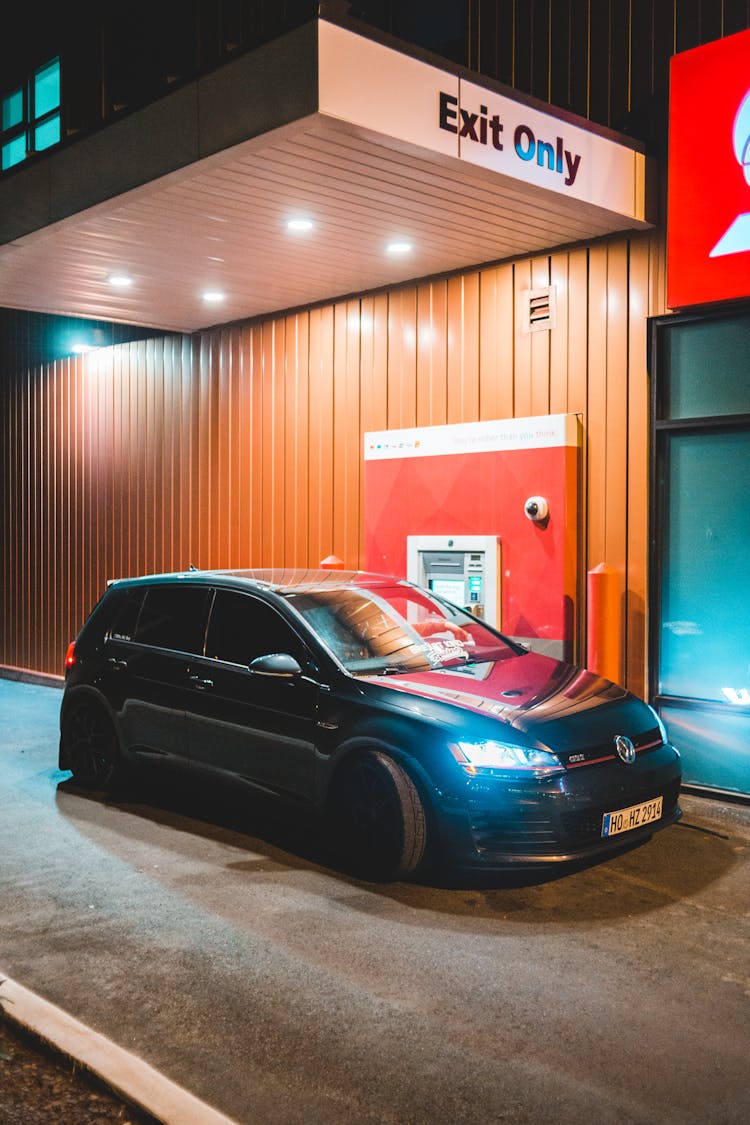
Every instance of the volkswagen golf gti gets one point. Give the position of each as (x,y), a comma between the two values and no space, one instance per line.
(423,737)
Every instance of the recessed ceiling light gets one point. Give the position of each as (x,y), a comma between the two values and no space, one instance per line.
(398,247)
(120,280)
(300,224)
(213,296)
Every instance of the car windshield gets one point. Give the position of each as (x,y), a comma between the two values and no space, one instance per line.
(396,629)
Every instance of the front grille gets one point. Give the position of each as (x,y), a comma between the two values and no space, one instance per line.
(585,826)
(542,827)
(605,751)
(529,831)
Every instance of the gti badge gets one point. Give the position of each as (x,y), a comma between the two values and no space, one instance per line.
(625,749)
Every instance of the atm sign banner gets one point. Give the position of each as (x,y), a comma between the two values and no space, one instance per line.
(708,222)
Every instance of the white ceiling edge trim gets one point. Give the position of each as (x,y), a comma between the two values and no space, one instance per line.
(400,97)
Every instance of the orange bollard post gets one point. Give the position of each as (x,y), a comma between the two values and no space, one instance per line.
(332,562)
(604,622)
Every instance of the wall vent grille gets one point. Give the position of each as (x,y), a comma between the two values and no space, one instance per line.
(538,309)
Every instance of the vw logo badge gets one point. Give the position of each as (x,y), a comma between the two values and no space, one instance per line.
(625,749)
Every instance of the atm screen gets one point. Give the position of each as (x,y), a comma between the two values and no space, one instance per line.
(452,589)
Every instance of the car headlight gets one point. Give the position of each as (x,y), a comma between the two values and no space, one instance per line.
(660,725)
(491,755)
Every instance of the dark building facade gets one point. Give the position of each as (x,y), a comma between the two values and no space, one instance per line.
(607,61)
(233,437)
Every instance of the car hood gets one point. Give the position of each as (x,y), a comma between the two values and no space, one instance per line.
(554,703)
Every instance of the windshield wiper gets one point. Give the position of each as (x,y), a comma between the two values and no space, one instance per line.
(456,664)
(396,669)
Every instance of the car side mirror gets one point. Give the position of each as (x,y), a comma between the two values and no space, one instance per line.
(276,664)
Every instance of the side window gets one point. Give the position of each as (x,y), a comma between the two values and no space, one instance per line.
(123,624)
(174,617)
(103,618)
(243,627)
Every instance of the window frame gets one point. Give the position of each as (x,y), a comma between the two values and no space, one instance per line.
(662,428)
(155,589)
(27,128)
(304,655)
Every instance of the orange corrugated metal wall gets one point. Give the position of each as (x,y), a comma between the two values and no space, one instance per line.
(242,446)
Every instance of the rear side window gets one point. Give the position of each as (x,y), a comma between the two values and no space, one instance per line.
(129,606)
(103,616)
(174,617)
(243,627)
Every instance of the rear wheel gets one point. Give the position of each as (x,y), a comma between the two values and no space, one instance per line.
(380,818)
(90,745)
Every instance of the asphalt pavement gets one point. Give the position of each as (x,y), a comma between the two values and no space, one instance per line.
(213,940)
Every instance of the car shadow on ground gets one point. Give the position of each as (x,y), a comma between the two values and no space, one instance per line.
(676,864)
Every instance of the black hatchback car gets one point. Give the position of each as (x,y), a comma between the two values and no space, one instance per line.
(422,734)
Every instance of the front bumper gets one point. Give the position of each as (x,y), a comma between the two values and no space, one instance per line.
(506,823)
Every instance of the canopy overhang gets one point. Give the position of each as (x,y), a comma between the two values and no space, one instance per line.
(373,145)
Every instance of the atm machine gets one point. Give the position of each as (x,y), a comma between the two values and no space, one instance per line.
(463,569)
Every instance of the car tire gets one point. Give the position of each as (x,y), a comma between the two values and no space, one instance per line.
(90,746)
(380,819)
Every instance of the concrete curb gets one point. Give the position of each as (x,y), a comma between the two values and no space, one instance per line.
(126,1074)
(731,812)
(28,676)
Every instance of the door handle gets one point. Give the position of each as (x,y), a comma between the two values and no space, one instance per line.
(118,665)
(201,684)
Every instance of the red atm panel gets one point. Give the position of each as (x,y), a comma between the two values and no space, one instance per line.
(475,479)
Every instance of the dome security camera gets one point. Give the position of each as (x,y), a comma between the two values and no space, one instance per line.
(536,508)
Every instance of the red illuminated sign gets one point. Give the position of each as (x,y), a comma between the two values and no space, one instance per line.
(708,222)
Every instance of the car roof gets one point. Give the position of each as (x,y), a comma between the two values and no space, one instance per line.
(279,580)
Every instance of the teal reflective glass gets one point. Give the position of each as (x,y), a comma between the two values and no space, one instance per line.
(47,134)
(705,618)
(14,152)
(47,88)
(709,368)
(714,746)
(12,113)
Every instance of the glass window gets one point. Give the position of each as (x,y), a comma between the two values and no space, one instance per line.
(12,113)
(243,627)
(174,617)
(14,151)
(396,628)
(47,88)
(30,116)
(705,619)
(129,606)
(707,363)
(47,134)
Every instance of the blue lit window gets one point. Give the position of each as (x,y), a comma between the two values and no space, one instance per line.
(30,117)
(48,133)
(14,151)
(12,113)
(47,89)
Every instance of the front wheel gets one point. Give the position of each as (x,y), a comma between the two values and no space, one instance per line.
(380,818)
(90,745)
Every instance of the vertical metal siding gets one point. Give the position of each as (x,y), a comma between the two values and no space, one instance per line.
(243,446)
(604,59)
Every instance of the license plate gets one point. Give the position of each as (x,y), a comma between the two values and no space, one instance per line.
(624,820)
